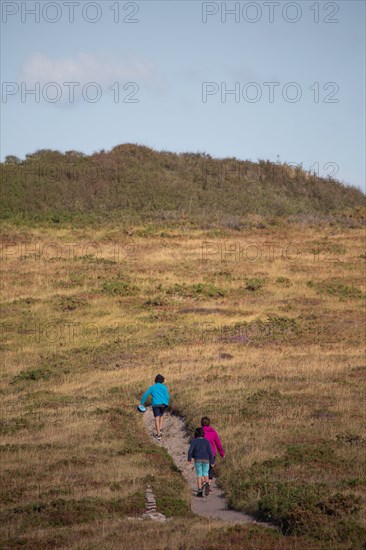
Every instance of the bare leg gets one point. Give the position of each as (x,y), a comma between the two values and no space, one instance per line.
(205,485)
(199,482)
(161,423)
(157,425)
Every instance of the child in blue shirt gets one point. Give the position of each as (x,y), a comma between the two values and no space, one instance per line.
(201,451)
(160,401)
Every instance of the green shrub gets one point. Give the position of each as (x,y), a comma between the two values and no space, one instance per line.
(278,499)
(62,512)
(335,288)
(173,507)
(253,285)
(340,504)
(70,303)
(350,438)
(161,186)
(89,258)
(343,291)
(42,373)
(306,454)
(119,288)
(207,290)
(157,301)
(283,281)
(13,425)
(268,490)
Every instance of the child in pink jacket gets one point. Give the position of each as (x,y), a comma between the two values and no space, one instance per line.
(214,440)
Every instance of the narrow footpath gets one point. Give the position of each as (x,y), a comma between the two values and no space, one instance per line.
(176,443)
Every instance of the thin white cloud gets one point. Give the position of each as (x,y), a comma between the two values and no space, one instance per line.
(84,68)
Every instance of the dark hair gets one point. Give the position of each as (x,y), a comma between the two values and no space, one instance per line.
(198,432)
(205,421)
(159,378)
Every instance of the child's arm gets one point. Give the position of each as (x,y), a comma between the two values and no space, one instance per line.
(218,445)
(146,395)
(190,452)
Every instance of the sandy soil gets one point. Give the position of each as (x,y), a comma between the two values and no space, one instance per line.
(176,442)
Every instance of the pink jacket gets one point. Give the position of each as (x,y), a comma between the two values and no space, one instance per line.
(214,440)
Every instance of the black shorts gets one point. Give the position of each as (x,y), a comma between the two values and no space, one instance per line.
(159,410)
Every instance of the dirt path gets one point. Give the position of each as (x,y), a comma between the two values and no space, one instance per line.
(176,442)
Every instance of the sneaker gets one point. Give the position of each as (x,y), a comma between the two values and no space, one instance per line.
(158,437)
(206,488)
(199,493)
(161,432)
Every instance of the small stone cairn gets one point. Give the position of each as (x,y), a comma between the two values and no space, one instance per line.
(150,511)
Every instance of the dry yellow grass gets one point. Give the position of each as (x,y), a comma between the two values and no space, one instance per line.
(278,366)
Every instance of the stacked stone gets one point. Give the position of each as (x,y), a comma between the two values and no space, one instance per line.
(150,512)
(150,501)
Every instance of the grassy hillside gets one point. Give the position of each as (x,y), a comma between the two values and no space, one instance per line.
(262,329)
(135,182)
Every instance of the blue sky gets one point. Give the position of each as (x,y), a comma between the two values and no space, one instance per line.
(160,74)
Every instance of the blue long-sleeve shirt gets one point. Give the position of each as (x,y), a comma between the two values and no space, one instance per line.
(200,449)
(159,393)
